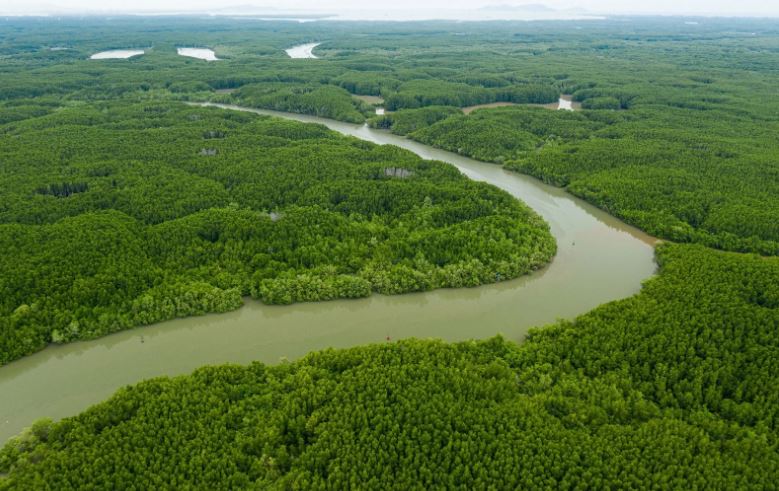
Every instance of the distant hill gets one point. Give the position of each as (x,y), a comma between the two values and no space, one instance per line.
(528,7)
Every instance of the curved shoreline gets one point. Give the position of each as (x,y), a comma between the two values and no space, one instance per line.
(599,259)
(302,51)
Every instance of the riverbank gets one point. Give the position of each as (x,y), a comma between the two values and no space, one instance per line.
(599,259)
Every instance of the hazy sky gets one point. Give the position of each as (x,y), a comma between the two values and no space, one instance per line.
(702,7)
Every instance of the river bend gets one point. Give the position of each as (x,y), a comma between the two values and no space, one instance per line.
(599,259)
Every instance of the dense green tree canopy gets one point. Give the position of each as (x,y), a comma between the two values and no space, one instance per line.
(680,175)
(136,213)
(676,136)
(121,206)
(670,389)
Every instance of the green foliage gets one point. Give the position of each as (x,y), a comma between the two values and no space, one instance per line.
(677,175)
(311,288)
(500,134)
(475,137)
(366,82)
(601,103)
(137,213)
(674,183)
(420,93)
(668,389)
(323,100)
(676,134)
(118,208)
(407,121)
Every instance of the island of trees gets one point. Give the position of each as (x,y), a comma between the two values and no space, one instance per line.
(135,213)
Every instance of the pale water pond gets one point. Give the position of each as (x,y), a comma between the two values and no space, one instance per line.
(566,103)
(116,54)
(599,259)
(200,53)
(303,51)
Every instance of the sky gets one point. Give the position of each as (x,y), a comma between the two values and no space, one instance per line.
(684,7)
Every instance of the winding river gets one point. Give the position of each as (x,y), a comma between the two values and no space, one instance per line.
(599,259)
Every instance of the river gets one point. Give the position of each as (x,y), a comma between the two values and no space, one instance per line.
(599,259)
